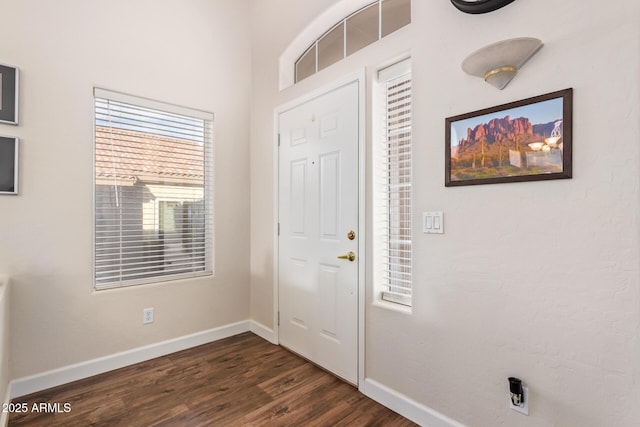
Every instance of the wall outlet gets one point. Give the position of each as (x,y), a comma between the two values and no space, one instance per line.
(147,315)
(524,409)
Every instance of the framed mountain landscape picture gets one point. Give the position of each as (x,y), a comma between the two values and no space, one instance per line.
(527,140)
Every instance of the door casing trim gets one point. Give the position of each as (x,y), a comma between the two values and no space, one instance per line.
(358,77)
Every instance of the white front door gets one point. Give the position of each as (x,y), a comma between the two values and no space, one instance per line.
(318,216)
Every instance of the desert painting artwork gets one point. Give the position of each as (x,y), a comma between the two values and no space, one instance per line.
(510,142)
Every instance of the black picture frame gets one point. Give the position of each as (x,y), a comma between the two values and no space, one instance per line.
(526,140)
(9,165)
(9,83)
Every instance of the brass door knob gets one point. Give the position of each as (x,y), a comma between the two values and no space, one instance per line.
(350,256)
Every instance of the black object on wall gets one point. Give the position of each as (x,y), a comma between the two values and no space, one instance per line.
(517,393)
(8,165)
(479,6)
(8,94)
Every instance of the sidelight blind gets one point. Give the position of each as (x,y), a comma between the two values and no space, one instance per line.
(393,185)
(153,191)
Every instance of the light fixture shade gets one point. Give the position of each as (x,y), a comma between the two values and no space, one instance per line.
(499,62)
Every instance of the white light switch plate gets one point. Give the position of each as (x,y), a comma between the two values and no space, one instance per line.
(433,222)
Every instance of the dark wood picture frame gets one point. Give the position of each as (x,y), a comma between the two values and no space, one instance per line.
(8,165)
(9,83)
(526,140)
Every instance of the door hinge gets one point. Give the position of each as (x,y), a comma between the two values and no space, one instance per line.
(278,318)
(278,229)
(278,140)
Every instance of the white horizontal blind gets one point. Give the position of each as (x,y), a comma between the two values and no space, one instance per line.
(393,179)
(153,191)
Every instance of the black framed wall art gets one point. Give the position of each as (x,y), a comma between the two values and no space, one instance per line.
(8,165)
(526,140)
(9,94)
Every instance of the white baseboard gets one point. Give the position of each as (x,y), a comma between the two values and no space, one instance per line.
(408,408)
(263,332)
(56,377)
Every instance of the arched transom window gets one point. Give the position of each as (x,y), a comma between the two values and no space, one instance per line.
(357,30)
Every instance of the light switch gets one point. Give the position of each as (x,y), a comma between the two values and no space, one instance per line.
(432,222)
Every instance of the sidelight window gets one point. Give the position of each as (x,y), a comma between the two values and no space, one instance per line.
(392,184)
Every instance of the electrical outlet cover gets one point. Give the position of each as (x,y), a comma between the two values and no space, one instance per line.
(147,315)
(524,409)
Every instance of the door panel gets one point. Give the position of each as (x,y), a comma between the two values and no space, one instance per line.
(318,206)
(329,201)
(298,192)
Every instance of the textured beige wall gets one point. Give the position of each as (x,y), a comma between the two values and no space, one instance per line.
(538,280)
(194,53)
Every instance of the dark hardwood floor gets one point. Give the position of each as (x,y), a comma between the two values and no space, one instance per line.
(238,381)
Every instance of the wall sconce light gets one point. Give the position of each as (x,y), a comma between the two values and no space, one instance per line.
(499,62)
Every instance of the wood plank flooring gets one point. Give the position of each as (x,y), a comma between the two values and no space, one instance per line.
(238,381)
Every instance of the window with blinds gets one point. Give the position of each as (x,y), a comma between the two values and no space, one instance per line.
(393,184)
(153,191)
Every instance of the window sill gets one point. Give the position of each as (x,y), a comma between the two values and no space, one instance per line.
(390,305)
